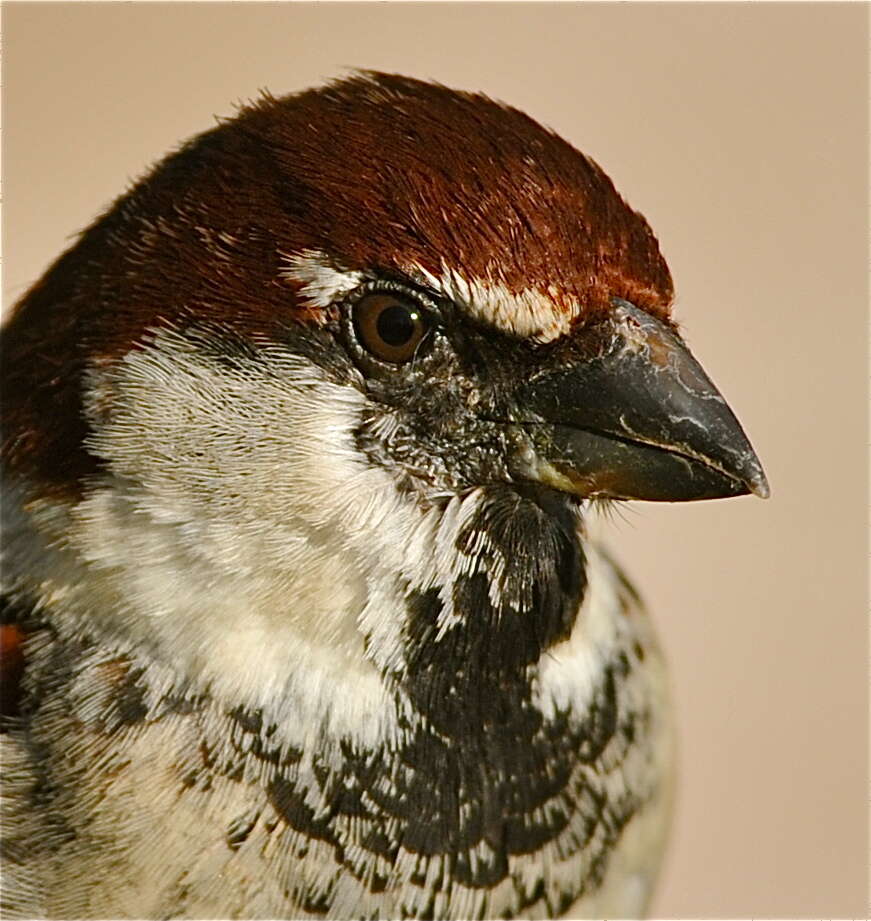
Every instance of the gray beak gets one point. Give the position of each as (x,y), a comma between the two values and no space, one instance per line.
(635,418)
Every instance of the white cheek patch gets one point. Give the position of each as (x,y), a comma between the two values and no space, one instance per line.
(240,532)
(322,283)
(530,313)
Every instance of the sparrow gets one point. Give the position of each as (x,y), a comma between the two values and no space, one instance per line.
(301,443)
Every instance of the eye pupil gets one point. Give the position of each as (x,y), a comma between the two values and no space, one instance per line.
(396,325)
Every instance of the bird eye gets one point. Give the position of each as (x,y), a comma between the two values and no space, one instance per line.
(389,326)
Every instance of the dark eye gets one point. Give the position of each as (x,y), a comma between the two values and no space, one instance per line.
(389,326)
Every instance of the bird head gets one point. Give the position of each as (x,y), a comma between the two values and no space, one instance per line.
(324,322)
(495,307)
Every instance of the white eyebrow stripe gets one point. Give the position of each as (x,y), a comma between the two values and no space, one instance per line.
(530,313)
(322,283)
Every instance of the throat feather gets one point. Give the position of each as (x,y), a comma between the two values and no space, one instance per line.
(516,594)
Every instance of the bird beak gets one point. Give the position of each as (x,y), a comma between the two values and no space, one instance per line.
(635,417)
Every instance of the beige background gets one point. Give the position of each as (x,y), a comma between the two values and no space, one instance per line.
(740,132)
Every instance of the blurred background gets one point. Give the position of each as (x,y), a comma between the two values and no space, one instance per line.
(740,131)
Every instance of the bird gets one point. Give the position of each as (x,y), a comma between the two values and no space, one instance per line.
(303,437)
